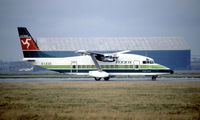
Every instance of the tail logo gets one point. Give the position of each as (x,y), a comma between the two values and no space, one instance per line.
(26,42)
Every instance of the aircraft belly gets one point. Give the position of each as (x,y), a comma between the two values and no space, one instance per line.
(114,71)
(136,74)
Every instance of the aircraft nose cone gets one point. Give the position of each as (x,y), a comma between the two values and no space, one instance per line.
(171,72)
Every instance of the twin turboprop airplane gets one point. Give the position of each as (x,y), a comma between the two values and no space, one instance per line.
(93,64)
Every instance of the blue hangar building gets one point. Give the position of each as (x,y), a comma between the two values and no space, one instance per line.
(172,52)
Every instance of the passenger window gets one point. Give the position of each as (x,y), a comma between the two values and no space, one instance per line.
(74,66)
(144,62)
(136,66)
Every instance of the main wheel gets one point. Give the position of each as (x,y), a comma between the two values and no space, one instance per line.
(154,78)
(97,79)
(106,78)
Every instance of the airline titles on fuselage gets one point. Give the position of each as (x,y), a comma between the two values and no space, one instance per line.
(117,62)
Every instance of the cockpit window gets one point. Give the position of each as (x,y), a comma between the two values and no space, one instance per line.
(151,62)
(148,61)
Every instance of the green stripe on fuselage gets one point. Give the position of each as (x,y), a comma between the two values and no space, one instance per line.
(152,67)
(103,66)
(55,66)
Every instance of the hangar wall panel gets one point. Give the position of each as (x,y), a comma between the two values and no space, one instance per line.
(172,52)
(111,44)
(174,59)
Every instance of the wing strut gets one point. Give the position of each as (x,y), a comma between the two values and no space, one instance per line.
(95,62)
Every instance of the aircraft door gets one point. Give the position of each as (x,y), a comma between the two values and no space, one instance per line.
(136,64)
(74,68)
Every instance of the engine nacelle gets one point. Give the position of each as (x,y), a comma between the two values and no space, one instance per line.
(98,74)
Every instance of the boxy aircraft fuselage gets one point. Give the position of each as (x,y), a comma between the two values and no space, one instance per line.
(92,64)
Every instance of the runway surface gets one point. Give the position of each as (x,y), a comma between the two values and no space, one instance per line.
(92,79)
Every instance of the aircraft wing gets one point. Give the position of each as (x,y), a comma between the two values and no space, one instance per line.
(84,52)
(122,52)
(111,57)
(94,57)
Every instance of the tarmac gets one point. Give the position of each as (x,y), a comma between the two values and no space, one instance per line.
(92,79)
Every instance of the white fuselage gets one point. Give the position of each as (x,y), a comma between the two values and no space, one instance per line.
(126,64)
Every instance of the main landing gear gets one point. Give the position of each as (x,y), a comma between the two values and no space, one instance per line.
(98,79)
(106,78)
(154,78)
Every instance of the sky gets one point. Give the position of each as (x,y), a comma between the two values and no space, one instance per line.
(97,18)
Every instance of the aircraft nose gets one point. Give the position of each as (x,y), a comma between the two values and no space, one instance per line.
(171,71)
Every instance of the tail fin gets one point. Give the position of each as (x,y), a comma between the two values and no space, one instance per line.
(26,40)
